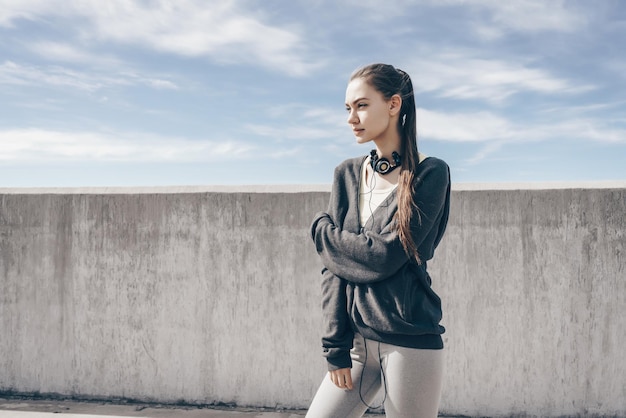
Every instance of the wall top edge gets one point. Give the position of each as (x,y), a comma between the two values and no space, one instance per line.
(547,185)
(300,188)
(270,188)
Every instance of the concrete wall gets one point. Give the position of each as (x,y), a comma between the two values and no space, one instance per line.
(205,296)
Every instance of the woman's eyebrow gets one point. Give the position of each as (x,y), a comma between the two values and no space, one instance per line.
(358,100)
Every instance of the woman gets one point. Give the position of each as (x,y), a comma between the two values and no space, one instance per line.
(387,213)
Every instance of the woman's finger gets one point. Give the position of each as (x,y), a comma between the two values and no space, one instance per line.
(348,380)
(341,378)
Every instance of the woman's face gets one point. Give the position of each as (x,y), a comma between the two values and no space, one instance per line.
(369,114)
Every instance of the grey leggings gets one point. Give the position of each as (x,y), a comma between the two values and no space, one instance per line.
(411,380)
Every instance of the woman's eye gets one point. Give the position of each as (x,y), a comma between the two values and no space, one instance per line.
(362,105)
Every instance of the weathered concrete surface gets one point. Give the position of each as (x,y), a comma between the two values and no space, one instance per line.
(201,297)
(534,287)
(208,296)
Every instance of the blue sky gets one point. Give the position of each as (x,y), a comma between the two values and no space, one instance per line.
(184,92)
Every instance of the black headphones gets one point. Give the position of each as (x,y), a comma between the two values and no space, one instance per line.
(382,165)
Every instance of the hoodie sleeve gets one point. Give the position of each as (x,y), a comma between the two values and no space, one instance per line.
(368,257)
(337,336)
(360,258)
(337,333)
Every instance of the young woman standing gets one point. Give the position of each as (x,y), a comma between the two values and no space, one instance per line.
(387,214)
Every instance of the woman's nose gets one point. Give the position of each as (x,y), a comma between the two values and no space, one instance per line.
(352,119)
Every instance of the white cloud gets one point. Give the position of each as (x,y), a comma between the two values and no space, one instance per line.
(461,75)
(64,52)
(486,151)
(12,73)
(586,129)
(301,122)
(32,145)
(529,16)
(462,127)
(13,10)
(291,132)
(378,11)
(534,15)
(487,127)
(222,31)
(493,18)
(487,32)
(57,76)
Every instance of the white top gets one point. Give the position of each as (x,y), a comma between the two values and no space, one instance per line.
(370,197)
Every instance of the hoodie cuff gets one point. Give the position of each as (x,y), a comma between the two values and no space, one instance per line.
(340,361)
(316,219)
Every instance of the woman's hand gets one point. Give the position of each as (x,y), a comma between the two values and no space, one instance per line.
(341,378)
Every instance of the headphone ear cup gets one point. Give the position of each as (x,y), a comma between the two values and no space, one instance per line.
(382,166)
(373,158)
(396,158)
(378,164)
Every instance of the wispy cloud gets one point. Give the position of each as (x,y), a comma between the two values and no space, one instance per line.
(574,110)
(485,152)
(488,127)
(32,145)
(462,75)
(531,15)
(374,10)
(462,127)
(57,76)
(586,129)
(493,19)
(69,53)
(291,132)
(13,10)
(300,122)
(221,31)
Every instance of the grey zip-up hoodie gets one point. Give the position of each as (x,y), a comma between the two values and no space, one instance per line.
(369,283)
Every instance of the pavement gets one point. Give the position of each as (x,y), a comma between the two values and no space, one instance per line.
(17,407)
(28,407)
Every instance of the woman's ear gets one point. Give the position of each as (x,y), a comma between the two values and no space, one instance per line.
(395,103)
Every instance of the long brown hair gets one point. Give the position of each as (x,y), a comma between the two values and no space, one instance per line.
(388,80)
